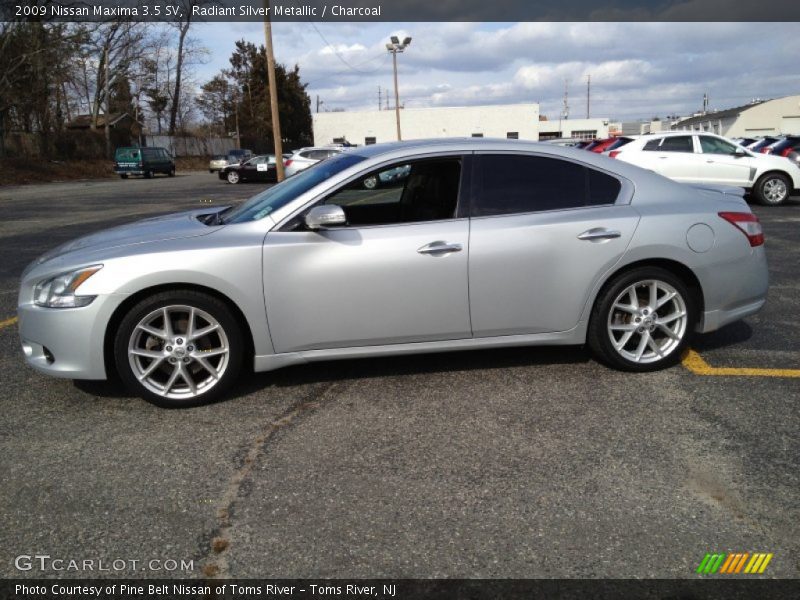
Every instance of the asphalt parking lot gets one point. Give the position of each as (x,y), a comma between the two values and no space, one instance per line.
(503,463)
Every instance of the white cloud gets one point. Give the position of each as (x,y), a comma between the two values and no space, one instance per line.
(637,69)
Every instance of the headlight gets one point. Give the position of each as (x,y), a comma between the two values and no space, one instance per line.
(59,291)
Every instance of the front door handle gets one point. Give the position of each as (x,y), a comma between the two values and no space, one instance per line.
(439,247)
(598,234)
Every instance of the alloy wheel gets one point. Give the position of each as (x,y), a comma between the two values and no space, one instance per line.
(178,352)
(647,321)
(775,190)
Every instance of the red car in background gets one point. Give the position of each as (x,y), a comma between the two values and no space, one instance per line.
(607,144)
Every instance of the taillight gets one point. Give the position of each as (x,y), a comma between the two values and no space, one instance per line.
(287,162)
(613,153)
(787,151)
(765,150)
(748,224)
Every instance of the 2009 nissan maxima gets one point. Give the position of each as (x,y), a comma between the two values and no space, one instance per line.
(479,243)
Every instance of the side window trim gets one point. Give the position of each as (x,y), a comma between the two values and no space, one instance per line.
(466,158)
(624,196)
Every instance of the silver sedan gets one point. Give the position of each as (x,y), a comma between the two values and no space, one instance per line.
(472,243)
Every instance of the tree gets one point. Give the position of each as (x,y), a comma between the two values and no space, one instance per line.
(216,102)
(248,76)
(188,51)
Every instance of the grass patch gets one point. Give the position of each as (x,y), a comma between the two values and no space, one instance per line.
(18,171)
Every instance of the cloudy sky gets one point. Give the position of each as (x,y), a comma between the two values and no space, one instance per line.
(638,70)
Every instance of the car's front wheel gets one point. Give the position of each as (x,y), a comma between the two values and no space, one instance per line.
(179,349)
(773,189)
(643,320)
(233,177)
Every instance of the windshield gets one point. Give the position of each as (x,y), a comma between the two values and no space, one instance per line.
(270,200)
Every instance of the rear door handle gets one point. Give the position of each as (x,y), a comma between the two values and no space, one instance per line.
(439,247)
(599,234)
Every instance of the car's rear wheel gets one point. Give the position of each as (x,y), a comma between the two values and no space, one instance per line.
(773,189)
(643,320)
(179,349)
(148,174)
(123,176)
(171,172)
(233,177)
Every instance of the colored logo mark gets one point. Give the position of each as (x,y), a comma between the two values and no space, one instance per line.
(734,563)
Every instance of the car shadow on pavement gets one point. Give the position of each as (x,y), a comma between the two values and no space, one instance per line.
(732,334)
(417,364)
(368,368)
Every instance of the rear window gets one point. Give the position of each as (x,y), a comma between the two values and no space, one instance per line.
(127,154)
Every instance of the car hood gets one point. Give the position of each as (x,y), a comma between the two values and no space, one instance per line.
(156,229)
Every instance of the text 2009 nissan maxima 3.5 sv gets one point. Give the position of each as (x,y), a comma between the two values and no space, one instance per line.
(475,244)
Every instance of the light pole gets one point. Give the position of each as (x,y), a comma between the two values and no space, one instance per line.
(394,47)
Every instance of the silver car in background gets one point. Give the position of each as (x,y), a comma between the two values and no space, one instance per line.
(471,243)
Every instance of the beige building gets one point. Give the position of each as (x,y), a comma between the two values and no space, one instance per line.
(514,121)
(770,117)
(582,129)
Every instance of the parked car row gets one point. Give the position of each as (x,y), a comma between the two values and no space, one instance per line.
(241,165)
(706,158)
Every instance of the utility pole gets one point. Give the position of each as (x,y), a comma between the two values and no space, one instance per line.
(379,97)
(319,102)
(273,96)
(394,47)
(588,94)
(108,105)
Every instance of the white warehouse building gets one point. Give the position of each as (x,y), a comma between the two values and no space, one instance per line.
(760,118)
(513,121)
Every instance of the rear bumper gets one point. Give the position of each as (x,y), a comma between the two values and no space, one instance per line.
(734,290)
(127,172)
(715,319)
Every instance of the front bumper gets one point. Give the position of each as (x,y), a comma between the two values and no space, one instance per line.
(67,342)
(128,172)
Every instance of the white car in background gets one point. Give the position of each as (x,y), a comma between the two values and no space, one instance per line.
(705,158)
(305,157)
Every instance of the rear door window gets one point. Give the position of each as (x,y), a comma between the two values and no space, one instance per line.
(678,143)
(512,184)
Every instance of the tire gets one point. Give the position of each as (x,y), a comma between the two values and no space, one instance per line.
(162,376)
(634,343)
(123,176)
(233,177)
(772,189)
(148,174)
(370,183)
(171,172)
(211,170)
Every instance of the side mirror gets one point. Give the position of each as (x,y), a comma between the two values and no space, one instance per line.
(328,215)
(739,152)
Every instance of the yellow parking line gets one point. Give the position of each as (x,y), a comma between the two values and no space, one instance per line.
(8,322)
(697,365)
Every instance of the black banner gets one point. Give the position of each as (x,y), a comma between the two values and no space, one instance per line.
(400,589)
(402,10)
